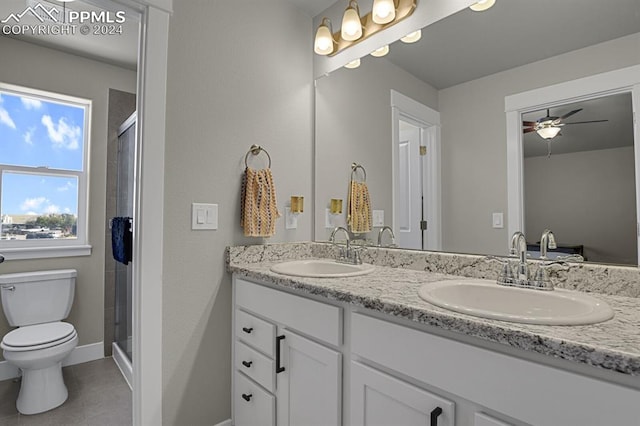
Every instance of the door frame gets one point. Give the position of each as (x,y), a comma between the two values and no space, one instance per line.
(428,120)
(624,80)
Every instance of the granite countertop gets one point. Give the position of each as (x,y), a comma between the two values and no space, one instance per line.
(612,345)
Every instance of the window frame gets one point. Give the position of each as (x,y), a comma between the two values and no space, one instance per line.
(44,248)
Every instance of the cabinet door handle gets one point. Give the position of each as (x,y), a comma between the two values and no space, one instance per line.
(279,369)
(247,330)
(247,397)
(434,416)
(247,363)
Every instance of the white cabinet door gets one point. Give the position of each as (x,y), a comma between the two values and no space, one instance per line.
(309,388)
(381,400)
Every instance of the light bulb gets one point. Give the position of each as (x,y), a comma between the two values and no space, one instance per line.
(482,5)
(384,11)
(323,44)
(412,37)
(353,64)
(382,51)
(351,24)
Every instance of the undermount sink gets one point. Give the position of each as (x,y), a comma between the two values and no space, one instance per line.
(484,298)
(321,269)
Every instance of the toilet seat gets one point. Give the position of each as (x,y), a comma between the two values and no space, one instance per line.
(39,336)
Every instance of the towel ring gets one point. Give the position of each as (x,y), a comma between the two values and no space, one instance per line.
(354,169)
(255,150)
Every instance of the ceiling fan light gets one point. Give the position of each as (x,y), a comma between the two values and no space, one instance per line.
(380,52)
(549,132)
(384,11)
(353,64)
(412,37)
(482,5)
(351,23)
(324,43)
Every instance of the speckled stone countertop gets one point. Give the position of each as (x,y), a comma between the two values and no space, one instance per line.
(612,345)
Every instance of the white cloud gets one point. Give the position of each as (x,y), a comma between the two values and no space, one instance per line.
(6,119)
(28,136)
(30,103)
(31,213)
(52,209)
(62,135)
(65,187)
(67,210)
(33,203)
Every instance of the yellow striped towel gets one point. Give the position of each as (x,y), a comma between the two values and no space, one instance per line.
(359,208)
(258,209)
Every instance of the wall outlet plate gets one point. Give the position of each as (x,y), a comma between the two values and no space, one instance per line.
(291,219)
(378,218)
(498,220)
(204,216)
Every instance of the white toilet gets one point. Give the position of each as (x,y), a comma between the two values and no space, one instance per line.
(36,302)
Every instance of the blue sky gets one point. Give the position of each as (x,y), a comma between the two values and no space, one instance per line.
(34,133)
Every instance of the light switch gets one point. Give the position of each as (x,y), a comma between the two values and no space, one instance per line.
(378,218)
(204,216)
(498,220)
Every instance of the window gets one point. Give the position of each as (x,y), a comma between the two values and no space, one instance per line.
(44,144)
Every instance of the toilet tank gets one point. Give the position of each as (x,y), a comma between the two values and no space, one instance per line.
(37,297)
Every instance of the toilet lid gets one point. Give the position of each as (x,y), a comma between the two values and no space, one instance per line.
(39,334)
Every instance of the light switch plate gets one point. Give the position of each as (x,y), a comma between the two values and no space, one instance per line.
(378,218)
(204,216)
(291,219)
(498,220)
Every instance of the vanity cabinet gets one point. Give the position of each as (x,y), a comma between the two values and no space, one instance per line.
(287,362)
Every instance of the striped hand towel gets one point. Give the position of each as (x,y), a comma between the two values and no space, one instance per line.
(258,209)
(359,208)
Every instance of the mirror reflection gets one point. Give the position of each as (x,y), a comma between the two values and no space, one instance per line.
(454,196)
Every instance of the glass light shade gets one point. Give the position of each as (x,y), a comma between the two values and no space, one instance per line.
(324,41)
(384,11)
(412,37)
(351,25)
(548,132)
(482,5)
(378,53)
(353,64)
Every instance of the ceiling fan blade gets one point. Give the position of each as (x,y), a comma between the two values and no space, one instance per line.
(529,130)
(567,115)
(529,123)
(584,122)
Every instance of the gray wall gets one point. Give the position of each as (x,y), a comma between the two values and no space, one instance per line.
(239,73)
(586,198)
(353,124)
(29,65)
(474,167)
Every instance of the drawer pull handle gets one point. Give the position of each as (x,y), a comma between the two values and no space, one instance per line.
(434,416)
(247,363)
(247,330)
(278,368)
(247,397)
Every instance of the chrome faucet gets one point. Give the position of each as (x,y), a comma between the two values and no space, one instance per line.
(393,237)
(350,255)
(541,280)
(519,248)
(547,242)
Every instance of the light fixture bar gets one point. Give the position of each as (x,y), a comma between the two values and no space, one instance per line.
(405,8)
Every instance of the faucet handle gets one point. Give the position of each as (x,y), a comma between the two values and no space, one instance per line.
(505,277)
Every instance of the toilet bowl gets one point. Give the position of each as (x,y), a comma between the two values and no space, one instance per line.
(37,302)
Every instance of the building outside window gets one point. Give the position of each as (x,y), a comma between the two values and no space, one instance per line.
(44,145)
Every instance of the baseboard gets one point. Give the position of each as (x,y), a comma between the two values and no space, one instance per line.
(225,423)
(123,363)
(79,355)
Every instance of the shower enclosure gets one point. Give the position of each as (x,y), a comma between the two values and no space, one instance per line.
(123,345)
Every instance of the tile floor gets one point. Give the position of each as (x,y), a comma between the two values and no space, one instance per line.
(98,396)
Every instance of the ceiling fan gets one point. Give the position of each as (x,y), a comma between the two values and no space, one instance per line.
(549,127)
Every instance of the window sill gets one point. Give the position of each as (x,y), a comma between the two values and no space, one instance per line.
(45,252)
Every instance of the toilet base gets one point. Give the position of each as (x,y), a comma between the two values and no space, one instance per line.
(41,390)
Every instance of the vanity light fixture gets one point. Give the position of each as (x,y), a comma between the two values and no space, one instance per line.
(380,52)
(383,11)
(353,64)
(482,5)
(548,131)
(412,37)
(324,43)
(351,23)
(355,28)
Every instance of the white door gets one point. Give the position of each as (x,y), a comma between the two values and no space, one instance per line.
(408,191)
(378,399)
(309,389)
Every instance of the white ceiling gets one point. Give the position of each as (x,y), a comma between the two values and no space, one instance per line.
(116,49)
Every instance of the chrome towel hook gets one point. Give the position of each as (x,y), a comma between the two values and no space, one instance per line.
(354,169)
(255,150)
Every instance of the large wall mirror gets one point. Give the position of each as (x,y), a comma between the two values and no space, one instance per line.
(461,70)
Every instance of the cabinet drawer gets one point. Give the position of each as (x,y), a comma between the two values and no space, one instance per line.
(253,406)
(256,366)
(312,318)
(257,333)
